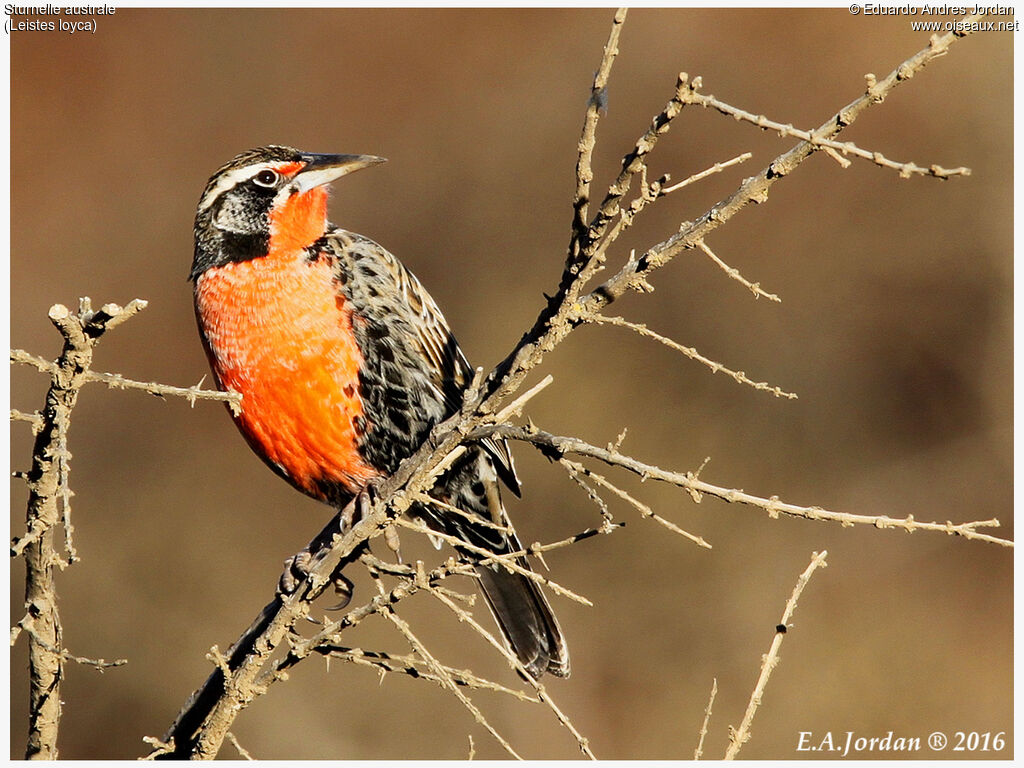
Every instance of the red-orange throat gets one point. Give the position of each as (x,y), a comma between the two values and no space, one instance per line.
(299,221)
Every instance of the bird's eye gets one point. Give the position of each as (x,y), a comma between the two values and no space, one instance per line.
(267,178)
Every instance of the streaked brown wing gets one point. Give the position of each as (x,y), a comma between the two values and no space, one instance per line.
(448,361)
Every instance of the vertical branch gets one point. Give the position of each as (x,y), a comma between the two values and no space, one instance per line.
(47,488)
(739,736)
(707,718)
(598,101)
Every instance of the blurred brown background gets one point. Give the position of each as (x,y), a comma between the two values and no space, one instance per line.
(895,330)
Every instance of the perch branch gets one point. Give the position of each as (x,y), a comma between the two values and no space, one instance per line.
(202,725)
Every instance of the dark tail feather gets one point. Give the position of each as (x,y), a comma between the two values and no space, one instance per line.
(525,619)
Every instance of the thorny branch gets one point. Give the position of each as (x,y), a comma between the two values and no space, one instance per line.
(566,310)
(739,736)
(48,506)
(556,446)
(117,381)
(699,750)
(412,666)
(251,666)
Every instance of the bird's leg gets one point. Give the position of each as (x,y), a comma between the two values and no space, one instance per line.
(364,501)
(366,498)
(351,514)
(297,567)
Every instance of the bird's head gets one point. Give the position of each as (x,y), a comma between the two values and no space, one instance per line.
(266,200)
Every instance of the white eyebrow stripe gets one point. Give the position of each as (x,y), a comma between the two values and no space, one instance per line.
(230,179)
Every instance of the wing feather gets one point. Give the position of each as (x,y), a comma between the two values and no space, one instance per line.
(448,361)
(445,365)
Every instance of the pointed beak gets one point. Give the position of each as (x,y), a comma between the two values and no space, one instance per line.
(323,169)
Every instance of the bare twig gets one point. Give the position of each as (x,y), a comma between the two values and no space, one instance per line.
(239,748)
(740,736)
(562,446)
(577,477)
(26,625)
(707,718)
(831,147)
(691,353)
(34,419)
(716,168)
(516,406)
(734,273)
(475,519)
(643,509)
(159,747)
(63,458)
(440,671)
(598,101)
(117,381)
(386,663)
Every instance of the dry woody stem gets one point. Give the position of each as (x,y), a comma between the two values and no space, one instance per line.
(273,643)
(740,735)
(699,750)
(557,446)
(49,507)
(199,730)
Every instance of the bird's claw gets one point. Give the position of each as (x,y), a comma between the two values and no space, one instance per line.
(296,570)
(343,588)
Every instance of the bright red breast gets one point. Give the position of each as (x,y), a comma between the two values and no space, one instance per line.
(279,332)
